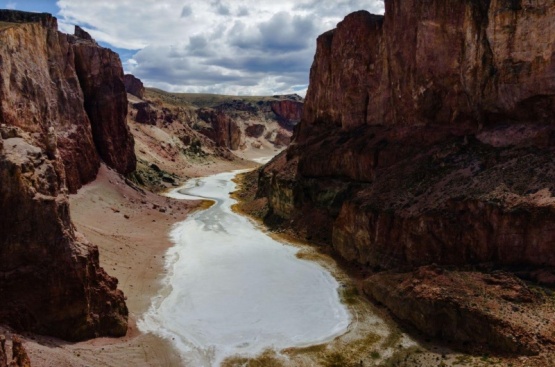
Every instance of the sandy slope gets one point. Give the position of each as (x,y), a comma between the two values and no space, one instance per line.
(131,232)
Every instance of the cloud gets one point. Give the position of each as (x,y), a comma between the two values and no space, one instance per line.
(11,5)
(186,11)
(214,46)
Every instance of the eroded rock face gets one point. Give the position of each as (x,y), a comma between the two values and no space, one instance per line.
(461,64)
(29,84)
(288,112)
(427,137)
(101,79)
(484,311)
(134,86)
(50,278)
(221,129)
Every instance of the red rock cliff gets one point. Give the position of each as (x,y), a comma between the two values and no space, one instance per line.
(428,137)
(288,111)
(101,78)
(453,63)
(134,86)
(50,278)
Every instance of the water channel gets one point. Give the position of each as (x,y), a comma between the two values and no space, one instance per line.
(232,289)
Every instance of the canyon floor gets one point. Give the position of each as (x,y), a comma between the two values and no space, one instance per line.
(131,226)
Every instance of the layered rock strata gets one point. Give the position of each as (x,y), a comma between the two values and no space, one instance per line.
(229,122)
(428,137)
(50,278)
(426,125)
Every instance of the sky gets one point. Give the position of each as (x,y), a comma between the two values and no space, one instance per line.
(237,47)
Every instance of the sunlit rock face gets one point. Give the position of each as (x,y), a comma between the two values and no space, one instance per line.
(134,86)
(427,137)
(51,281)
(220,123)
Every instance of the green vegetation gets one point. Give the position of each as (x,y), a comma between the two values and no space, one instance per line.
(202,100)
(266,359)
(349,295)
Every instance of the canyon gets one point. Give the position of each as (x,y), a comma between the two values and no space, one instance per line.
(177,132)
(421,159)
(436,125)
(64,111)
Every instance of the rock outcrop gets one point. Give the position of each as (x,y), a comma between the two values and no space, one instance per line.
(220,128)
(460,64)
(230,122)
(485,311)
(134,86)
(101,79)
(50,278)
(428,137)
(288,112)
(426,125)
(19,354)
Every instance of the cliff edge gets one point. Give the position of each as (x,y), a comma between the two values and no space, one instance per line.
(428,137)
(62,109)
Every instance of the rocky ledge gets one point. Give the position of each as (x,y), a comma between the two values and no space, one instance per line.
(63,109)
(428,137)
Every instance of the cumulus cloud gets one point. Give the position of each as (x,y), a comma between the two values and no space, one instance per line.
(216,46)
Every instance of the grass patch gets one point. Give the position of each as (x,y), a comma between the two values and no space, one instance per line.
(403,357)
(336,359)
(203,100)
(349,295)
(205,204)
(313,349)
(267,359)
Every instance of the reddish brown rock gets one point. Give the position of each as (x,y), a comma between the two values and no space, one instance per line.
(479,311)
(16,16)
(220,129)
(452,63)
(145,114)
(81,33)
(3,355)
(29,84)
(436,141)
(255,130)
(134,86)
(19,354)
(50,278)
(101,79)
(288,111)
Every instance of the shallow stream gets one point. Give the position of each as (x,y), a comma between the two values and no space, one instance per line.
(232,289)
